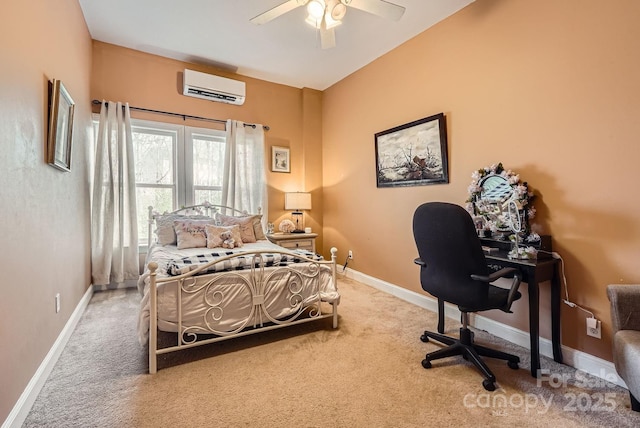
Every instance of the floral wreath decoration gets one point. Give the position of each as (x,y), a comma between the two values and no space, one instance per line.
(523,196)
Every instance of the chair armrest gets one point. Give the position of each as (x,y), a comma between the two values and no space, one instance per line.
(515,284)
(495,275)
(625,306)
(419,261)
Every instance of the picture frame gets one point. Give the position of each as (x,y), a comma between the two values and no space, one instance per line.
(60,127)
(413,154)
(280,159)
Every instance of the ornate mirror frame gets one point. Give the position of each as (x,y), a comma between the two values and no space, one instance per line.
(491,187)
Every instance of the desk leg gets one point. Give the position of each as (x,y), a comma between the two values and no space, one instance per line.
(534,315)
(440,316)
(555,314)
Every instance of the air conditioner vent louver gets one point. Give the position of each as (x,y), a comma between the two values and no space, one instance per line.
(213,88)
(214,96)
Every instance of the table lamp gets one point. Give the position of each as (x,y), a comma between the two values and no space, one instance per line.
(297,201)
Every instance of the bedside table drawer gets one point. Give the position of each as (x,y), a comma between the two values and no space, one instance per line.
(294,241)
(300,244)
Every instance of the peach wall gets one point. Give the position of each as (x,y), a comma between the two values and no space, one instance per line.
(312,158)
(153,82)
(44,211)
(550,88)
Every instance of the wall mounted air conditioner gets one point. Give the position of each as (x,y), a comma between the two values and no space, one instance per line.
(213,88)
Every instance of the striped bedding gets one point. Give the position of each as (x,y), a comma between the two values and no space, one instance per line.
(187,264)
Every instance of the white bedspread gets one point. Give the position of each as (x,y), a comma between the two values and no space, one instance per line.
(234,300)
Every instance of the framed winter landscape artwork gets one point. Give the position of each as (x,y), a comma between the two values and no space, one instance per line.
(413,154)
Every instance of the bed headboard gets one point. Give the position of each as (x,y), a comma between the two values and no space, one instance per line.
(205,209)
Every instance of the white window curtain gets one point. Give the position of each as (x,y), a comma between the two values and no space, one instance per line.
(244,185)
(114,230)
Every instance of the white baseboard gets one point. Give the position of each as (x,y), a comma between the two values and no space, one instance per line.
(577,359)
(22,407)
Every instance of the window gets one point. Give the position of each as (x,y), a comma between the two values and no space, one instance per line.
(174,166)
(207,166)
(155,152)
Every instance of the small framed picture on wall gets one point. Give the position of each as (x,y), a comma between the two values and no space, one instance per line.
(280,159)
(60,130)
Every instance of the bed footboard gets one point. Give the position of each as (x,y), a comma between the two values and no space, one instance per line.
(274,297)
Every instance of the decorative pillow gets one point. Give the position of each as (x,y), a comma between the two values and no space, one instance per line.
(256,221)
(191,233)
(246,226)
(214,239)
(258,230)
(164,226)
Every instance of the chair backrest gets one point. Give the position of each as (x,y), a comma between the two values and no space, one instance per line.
(447,243)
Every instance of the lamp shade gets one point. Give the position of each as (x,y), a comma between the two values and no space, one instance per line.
(297,201)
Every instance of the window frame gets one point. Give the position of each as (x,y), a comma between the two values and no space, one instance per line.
(192,132)
(183,180)
(178,156)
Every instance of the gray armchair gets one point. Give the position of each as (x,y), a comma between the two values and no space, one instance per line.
(625,318)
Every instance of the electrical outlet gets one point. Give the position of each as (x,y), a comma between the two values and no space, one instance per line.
(350,255)
(57,302)
(594,328)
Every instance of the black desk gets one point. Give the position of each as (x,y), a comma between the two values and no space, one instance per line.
(533,272)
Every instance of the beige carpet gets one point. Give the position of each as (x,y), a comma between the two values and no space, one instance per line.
(367,373)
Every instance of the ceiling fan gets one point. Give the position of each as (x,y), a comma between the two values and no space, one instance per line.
(325,15)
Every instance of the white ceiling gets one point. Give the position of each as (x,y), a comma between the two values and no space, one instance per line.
(285,50)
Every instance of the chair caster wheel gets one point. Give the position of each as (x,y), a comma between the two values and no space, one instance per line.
(426,364)
(424,338)
(513,365)
(489,385)
(465,357)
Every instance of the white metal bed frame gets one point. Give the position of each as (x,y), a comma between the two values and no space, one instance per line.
(254,282)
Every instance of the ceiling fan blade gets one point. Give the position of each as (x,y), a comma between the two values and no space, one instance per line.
(277,11)
(380,8)
(327,36)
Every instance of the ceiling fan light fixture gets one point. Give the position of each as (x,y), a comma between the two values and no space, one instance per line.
(315,23)
(318,23)
(329,22)
(316,9)
(338,11)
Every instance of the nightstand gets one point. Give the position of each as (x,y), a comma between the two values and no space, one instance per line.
(294,241)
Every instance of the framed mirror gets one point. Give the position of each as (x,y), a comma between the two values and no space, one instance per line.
(495,189)
(497,195)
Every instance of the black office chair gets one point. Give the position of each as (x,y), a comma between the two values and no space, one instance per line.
(453,269)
